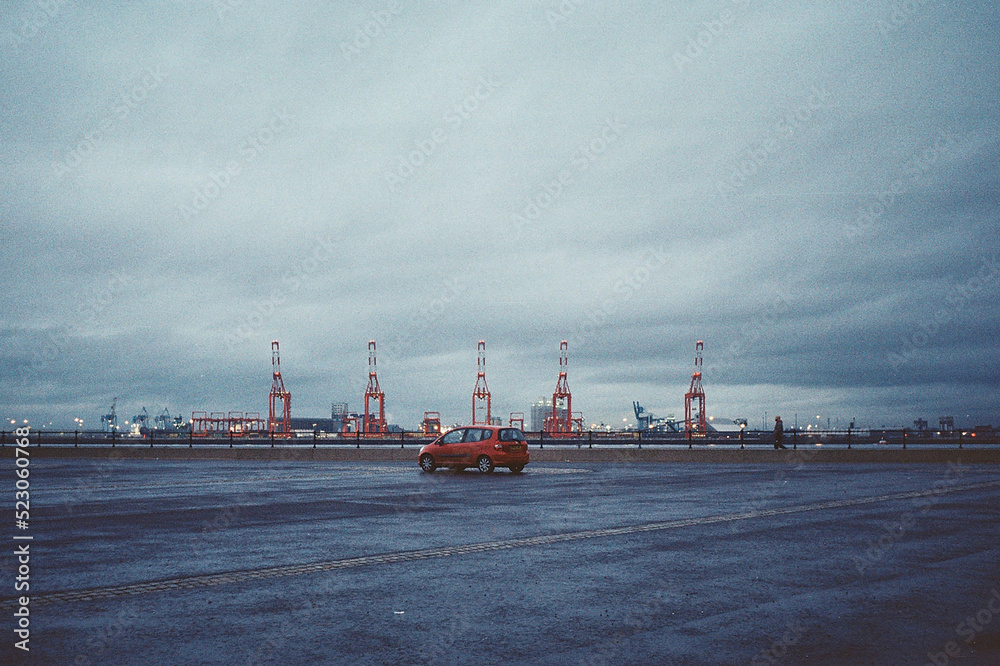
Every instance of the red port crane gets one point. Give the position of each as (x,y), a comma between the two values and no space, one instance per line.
(431,426)
(371,422)
(696,392)
(561,420)
(279,426)
(481,397)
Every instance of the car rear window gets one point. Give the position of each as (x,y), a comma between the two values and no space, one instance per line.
(511,435)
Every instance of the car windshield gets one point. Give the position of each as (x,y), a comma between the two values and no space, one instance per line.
(511,435)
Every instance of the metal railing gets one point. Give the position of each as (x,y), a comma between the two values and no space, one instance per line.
(793,439)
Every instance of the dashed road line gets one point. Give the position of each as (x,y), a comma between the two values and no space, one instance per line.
(211,580)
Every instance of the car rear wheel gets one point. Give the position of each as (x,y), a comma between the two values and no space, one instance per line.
(427,463)
(516,469)
(485,464)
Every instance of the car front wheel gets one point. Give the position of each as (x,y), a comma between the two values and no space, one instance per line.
(485,464)
(427,463)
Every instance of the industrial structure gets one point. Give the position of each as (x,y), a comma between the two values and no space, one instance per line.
(166,423)
(140,422)
(109,421)
(694,424)
(278,425)
(481,398)
(372,422)
(237,424)
(562,420)
(553,416)
(431,425)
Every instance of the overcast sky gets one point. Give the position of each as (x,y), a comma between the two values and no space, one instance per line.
(810,188)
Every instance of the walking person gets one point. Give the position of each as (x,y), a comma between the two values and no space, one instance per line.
(779,433)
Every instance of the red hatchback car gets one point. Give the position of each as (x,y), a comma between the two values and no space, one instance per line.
(482,446)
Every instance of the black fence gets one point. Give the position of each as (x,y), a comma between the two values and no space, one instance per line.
(793,439)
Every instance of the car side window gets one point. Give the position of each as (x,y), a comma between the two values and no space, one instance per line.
(453,437)
(477,435)
(511,435)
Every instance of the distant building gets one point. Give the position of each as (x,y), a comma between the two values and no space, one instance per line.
(539,411)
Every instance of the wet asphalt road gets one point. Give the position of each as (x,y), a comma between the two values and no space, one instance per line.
(717,564)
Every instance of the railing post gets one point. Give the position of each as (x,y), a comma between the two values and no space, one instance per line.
(848,438)
(904,439)
(959,439)
(541,439)
(640,439)
(590,439)
(741,438)
(76,438)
